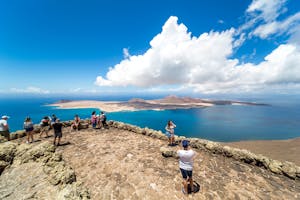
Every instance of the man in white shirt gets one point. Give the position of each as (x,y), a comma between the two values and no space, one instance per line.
(186,157)
(4,128)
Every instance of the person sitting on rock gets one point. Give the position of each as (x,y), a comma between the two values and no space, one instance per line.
(170,132)
(186,157)
(45,126)
(28,126)
(57,128)
(75,123)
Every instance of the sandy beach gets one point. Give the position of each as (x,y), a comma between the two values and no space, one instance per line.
(107,106)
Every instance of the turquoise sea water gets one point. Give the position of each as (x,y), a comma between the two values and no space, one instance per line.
(281,120)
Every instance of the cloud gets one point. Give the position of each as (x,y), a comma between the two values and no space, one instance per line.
(286,26)
(126,53)
(220,21)
(177,60)
(267,10)
(263,20)
(30,89)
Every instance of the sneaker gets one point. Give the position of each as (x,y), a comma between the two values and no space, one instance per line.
(27,142)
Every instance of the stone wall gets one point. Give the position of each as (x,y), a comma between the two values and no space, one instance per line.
(285,168)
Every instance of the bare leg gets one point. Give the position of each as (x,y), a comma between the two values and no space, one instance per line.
(58,141)
(191,184)
(54,140)
(185,186)
(31,136)
(28,134)
(173,139)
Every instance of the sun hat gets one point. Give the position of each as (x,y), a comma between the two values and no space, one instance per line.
(185,143)
(5,117)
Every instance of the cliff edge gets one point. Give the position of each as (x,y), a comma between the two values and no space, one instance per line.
(127,162)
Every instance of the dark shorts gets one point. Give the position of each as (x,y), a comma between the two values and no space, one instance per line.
(29,129)
(185,173)
(59,134)
(5,134)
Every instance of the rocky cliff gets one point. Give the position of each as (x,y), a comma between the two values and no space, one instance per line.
(129,162)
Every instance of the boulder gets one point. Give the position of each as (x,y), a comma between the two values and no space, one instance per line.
(275,166)
(2,139)
(13,136)
(42,151)
(21,133)
(36,128)
(168,152)
(289,169)
(7,151)
(83,125)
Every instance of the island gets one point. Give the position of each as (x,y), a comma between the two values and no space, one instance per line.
(135,104)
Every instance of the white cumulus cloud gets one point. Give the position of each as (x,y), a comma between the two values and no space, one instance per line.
(177,60)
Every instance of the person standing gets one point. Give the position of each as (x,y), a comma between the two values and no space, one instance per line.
(103,120)
(4,127)
(170,132)
(186,157)
(57,128)
(45,126)
(94,119)
(28,126)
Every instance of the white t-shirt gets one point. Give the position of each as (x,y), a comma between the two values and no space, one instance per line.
(186,159)
(3,125)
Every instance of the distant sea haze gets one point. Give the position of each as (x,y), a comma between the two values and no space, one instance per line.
(222,123)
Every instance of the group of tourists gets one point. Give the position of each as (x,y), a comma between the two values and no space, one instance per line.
(186,157)
(98,120)
(46,124)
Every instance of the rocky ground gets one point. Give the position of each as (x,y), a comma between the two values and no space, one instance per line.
(283,150)
(119,164)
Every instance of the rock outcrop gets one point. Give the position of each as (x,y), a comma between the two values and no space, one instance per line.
(36,172)
(129,162)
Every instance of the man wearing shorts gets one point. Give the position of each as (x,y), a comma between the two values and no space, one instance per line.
(57,128)
(186,157)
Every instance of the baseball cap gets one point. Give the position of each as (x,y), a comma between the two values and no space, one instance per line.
(185,143)
(5,117)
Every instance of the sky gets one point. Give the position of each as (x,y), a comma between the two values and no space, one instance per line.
(75,47)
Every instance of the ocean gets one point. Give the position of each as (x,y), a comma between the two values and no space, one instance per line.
(280,120)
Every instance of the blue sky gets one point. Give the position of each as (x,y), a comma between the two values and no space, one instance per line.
(173,47)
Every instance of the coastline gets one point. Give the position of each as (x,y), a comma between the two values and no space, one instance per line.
(118,106)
